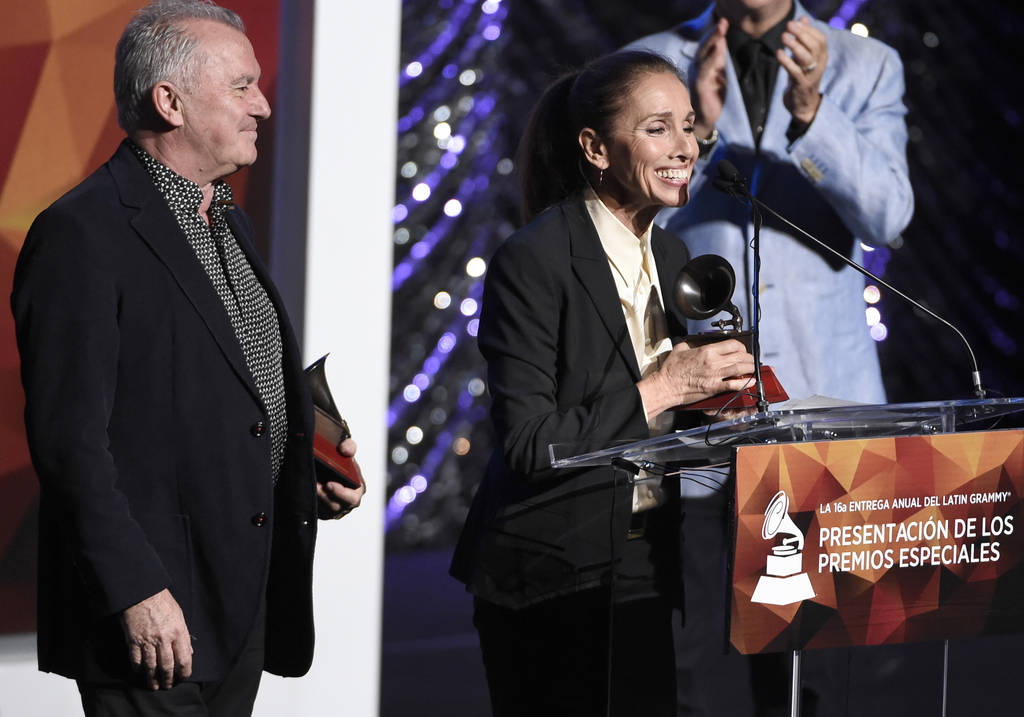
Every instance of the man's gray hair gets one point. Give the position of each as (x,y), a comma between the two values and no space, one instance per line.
(155,47)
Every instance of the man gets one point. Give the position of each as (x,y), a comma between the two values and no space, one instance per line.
(166,407)
(813,117)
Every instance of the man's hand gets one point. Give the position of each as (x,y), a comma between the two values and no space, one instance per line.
(158,641)
(709,85)
(693,374)
(805,68)
(337,501)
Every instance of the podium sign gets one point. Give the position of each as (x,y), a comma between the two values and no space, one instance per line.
(879,540)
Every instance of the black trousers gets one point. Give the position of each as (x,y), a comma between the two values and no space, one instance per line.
(232,696)
(552,658)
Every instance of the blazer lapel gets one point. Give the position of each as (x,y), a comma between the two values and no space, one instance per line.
(291,360)
(667,282)
(590,265)
(157,227)
(242,230)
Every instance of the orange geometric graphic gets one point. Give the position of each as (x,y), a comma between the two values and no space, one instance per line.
(905,539)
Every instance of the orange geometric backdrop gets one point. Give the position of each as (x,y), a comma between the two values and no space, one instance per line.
(905,539)
(58,125)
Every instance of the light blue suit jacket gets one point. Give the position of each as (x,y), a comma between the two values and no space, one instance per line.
(844,181)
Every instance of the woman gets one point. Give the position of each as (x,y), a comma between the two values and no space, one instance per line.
(582,349)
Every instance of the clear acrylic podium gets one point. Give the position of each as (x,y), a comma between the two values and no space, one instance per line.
(714,444)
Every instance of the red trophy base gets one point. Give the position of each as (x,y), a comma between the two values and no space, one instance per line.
(746,398)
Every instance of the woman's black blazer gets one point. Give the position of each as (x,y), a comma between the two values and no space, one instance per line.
(561,369)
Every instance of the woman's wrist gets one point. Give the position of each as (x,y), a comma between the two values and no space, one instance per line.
(654,394)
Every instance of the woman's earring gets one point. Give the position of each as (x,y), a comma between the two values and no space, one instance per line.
(600,178)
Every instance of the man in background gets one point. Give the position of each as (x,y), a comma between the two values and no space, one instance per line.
(813,117)
(167,412)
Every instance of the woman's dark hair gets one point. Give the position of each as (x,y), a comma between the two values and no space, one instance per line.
(549,155)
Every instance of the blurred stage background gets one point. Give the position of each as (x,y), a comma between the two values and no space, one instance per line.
(469,72)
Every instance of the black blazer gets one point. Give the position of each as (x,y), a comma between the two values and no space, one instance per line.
(150,441)
(561,368)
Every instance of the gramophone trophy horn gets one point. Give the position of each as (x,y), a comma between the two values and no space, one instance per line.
(331,431)
(703,288)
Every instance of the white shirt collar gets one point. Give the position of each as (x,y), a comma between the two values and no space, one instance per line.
(623,248)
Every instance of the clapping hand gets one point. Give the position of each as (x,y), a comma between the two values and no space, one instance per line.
(809,49)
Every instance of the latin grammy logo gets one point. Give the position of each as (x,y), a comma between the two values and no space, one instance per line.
(785,582)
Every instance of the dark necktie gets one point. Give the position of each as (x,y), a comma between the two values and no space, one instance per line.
(756,64)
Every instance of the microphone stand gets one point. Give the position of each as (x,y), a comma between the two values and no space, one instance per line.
(975,373)
(755,294)
(730,182)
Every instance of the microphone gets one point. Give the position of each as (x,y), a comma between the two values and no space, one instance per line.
(731,182)
(727,170)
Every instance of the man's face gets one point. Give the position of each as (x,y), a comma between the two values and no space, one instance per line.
(221,111)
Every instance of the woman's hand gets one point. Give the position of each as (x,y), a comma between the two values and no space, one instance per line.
(692,374)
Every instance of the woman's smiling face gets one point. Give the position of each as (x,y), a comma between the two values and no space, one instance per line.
(648,154)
